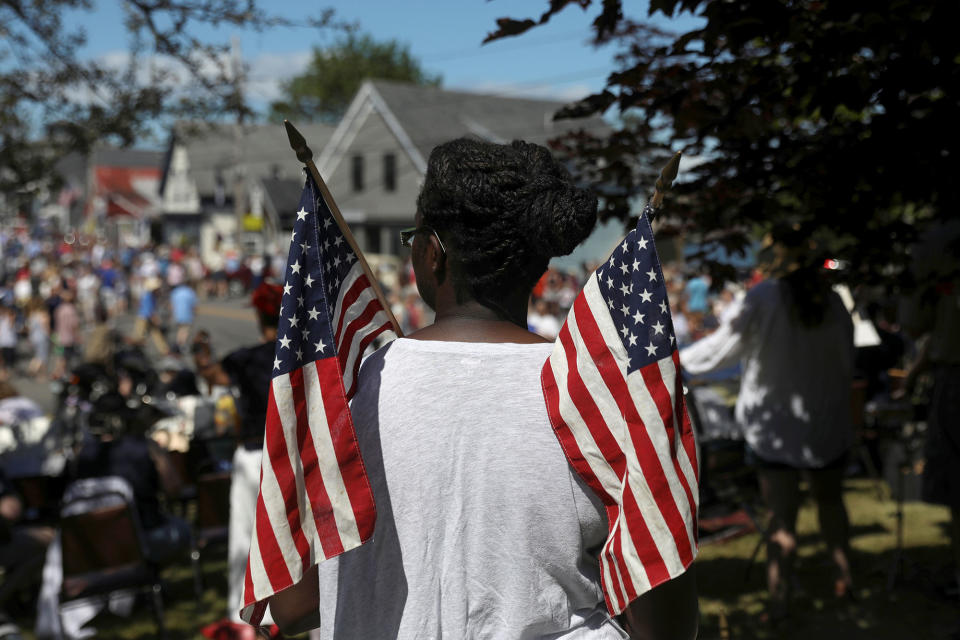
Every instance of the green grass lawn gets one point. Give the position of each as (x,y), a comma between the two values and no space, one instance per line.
(731,586)
(732,589)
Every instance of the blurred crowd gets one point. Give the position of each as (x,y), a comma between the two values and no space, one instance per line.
(55,289)
(696,309)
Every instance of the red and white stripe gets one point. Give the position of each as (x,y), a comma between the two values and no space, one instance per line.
(358,318)
(315,500)
(629,438)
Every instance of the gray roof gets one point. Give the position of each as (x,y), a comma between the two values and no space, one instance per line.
(264,149)
(73,166)
(431,115)
(282,195)
(114,157)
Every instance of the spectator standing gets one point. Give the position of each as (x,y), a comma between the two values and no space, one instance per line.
(22,289)
(935,315)
(88,285)
(248,369)
(195,270)
(8,338)
(411,318)
(176,273)
(795,340)
(108,286)
(515,560)
(66,325)
(38,332)
(697,289)
(218,274)
(147,316)
(183,304)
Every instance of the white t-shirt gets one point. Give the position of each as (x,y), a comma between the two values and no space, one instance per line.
(483,529)
(794,400)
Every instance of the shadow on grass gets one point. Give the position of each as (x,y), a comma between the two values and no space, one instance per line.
(814,538)
(916,607)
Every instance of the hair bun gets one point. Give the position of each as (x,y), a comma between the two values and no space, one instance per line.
(560,215)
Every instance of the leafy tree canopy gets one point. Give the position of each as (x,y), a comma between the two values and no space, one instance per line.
(828,123)
(323,92)
(53,100)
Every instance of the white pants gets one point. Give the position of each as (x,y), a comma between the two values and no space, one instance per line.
(244,487)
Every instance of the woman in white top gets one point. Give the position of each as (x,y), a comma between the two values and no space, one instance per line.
(483,529)
(794,339)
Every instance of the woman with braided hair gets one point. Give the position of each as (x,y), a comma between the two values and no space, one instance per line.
(483,529)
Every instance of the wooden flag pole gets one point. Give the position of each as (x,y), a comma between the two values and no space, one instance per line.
(667,175)
(305,155)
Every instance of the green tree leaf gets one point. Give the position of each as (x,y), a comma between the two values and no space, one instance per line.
(324,91)
(823,122)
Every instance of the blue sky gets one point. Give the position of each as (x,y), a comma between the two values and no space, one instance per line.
(552,60)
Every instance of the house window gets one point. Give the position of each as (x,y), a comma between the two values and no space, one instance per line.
(357,173)
(373,238)
(389,172)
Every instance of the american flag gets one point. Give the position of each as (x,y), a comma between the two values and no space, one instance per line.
(315,501)
(615,401)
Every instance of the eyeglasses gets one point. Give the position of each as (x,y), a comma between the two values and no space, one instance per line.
(406,235)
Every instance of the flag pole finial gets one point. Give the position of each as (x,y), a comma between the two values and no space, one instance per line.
(298,143)
(667,175)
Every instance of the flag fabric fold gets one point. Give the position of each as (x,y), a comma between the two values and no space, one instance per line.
(615,400)
(315,500)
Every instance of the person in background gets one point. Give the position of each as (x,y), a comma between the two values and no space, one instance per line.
(22,288)
(933,315)
(249,370)
(88,296)
(221,416)
(795,341)
(542,322)
(66,326)
(148,317)
(697,289)
(122,448)
(176,273)
(183,304)
(216,263)
(8,339)
(108,286)
(22,550)
(195,271)
(412,312)
(38,333)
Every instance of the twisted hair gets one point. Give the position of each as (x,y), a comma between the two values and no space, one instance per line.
(506,210)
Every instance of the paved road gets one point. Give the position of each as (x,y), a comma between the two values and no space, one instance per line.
(231,323)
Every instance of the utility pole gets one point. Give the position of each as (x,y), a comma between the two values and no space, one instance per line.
(239,182)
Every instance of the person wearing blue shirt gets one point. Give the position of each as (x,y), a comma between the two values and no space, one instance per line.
(697,289)
(183,304)
(147,317)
